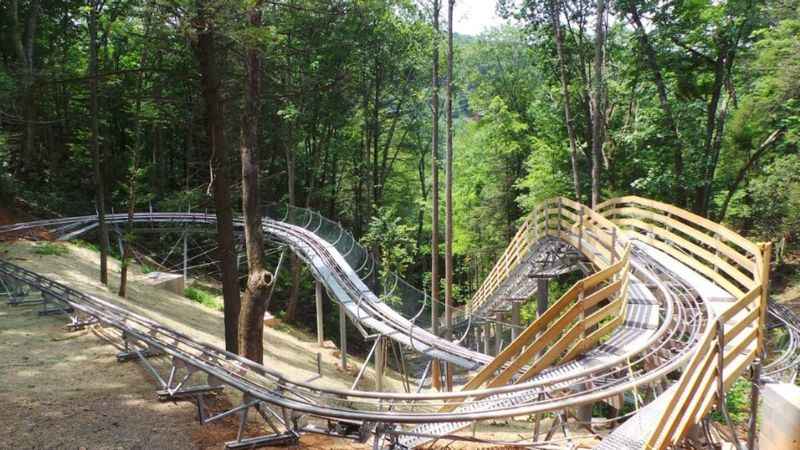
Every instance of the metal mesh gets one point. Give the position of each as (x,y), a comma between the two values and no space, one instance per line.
(407,300)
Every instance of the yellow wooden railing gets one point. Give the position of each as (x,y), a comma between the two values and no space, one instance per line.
(735,334)
(560,218)
(588,312)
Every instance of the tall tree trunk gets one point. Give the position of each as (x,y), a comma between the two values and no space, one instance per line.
(562,65)
(435,175)
(448,228)
(254,304)
(95,143)
(677,148)
(209,80)
(294,261)
(598,110)
(137,147)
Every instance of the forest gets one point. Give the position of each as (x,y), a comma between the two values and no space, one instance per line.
(348,107)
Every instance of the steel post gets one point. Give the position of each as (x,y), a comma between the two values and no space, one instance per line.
(514,320)
(343,335)
(318,299)
(380,361)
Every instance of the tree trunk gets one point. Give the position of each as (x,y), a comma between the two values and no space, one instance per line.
(435,175)
(95,143)
(210,83)
(294,261)
(562,65)
(448,228)
(251,320)
(598,110)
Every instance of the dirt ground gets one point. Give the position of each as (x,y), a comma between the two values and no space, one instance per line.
(61,389)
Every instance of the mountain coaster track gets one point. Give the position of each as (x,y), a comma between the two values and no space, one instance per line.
(652,311)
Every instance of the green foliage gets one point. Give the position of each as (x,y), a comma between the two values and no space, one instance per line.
(86,244)
(775,196)
(204,297)
(737,401)
(392,238)
(50,249)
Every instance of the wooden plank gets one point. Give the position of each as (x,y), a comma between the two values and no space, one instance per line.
(583,345)
(740,303)
(766,256)
(694,219)
(656,438)
(741,258)
(536,346)
(553,353)
(695,378)
(713,260)
(601,294)
(602,313)
(691,262)
(750,320)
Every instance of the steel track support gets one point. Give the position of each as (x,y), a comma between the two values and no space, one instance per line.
(318,301)
(288,437)
(53,306)
(186,258)
(498,333)
(343,335)
(487,339)
(380,362)
(514,320)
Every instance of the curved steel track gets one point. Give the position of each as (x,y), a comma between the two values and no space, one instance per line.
(634,365)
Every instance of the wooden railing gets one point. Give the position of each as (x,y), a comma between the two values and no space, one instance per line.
(735,335)
(560,218)
(588,312)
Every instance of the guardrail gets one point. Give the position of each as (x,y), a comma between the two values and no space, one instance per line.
(735,336)
(562,218)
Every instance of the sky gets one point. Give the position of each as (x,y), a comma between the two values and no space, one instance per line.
(473,16)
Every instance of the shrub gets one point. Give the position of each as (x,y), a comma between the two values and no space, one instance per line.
(51,248)
(203,297)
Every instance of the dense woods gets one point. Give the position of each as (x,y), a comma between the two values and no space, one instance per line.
(340,106)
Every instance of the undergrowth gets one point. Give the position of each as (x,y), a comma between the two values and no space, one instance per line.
(737,400)
(51,249)
(203,297)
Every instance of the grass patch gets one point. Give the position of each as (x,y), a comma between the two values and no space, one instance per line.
(738,402)
(147,269)
(203,297)
(86,244)
(51,249)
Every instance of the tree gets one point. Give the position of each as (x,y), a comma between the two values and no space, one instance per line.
(209,79)
(435,277)
(254,304)
(555,19)
(95,9)
(448,239)
(598,100)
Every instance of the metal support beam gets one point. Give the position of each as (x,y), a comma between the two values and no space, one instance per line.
(185,259)
(318,298)
(343,335)
(498,333)
(542,291)
(380,362)
(487,339)
(514,320)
